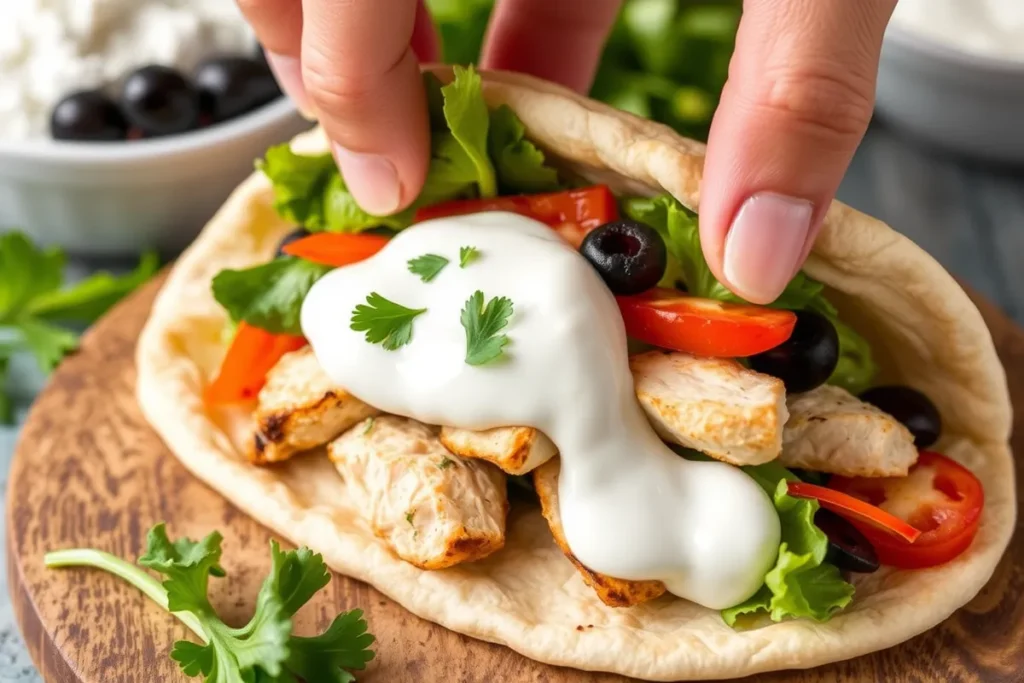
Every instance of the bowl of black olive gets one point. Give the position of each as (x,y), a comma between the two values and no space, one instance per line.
(145,162)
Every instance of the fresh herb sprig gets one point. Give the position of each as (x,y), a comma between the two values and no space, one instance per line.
(385,322)
(467,255)
(483,324)
(428,266)
(264,649)
(42,316)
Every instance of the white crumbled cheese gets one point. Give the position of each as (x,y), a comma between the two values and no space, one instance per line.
(49,48)
(994,28)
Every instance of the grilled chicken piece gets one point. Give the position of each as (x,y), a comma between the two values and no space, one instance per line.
(300,408)
(712,405)
(830,430)
(516,450)
(612,592)
(433,509)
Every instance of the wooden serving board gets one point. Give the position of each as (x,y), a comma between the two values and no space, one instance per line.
(90,472)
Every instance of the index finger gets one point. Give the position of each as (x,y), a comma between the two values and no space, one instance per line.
(364,82)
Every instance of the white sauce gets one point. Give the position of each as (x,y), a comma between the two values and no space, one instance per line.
(49,48)
(631,508)
(994,28)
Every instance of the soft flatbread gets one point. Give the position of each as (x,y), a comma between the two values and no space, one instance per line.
(924,329)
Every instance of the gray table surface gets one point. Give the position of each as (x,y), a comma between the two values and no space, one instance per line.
(969,216)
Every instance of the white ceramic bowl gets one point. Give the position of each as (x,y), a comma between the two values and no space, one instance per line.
(118,199)
(968,103)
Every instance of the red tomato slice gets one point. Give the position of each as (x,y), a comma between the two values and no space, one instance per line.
(336,249)
(703,327)
(253,352)
(855,509)
(939,496)
(584,209)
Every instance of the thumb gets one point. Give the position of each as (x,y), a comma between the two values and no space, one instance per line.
(362,77)
(799,97)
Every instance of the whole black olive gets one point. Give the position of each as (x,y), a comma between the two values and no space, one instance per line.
(231,86)
(848,549)
(89,116)
(629,256)
(807,358)
(911,408)
(294,236)
(159,101)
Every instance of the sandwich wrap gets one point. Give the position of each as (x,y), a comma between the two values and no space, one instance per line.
(924,331)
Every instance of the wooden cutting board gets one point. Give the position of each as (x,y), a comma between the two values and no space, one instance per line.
(89,472)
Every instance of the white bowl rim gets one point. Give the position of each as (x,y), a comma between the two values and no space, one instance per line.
(113,153)
(949,53)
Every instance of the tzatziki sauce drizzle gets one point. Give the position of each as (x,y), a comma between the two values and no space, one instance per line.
(630,507)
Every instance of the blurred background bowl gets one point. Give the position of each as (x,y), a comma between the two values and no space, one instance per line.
(122,198)
(967,103)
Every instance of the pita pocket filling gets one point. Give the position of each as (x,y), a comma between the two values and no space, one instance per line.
(720,488)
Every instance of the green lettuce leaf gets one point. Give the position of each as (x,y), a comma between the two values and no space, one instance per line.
(518,162)
(678,227)
(468,120)
(801,584)
(300,184)
(270,295)
(473,151)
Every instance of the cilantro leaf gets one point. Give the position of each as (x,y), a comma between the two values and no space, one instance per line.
(679,228)
(6,405)
(517,161)
(385,322)
(328,657)
(297,576)
(262,651)
(32,301)
(467,255)
(483,324)
(92,297)
(802,583)
(270,295)
(187,564)
(468,120)
(48,343)
(428,266)
(26,273)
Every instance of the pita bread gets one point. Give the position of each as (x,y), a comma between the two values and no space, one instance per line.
(925,332)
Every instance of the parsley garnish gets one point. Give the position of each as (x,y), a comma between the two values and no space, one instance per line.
(427,266)
(445,463)
(369,426)
(385,322)
(467,255)
(262,650)
(483,323)
(408,517)
(40,314)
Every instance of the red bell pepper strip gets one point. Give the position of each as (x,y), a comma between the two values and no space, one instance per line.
(584,209)
(335,248)
(855,509)
(253,352)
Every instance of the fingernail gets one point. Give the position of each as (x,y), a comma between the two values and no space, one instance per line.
(288,72)
(764,243)
(371,179)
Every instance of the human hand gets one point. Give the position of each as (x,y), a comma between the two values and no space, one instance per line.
(798,101)
(354,65)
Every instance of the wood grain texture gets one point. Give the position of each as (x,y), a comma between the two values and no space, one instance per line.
(90,472)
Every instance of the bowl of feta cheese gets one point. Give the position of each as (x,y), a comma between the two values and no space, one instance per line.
(124,124)
(952,74)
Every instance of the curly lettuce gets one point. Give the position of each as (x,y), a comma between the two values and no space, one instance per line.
(802,583)
(475,152)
